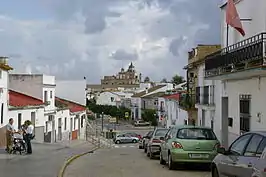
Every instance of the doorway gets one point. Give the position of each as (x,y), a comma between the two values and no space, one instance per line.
(33,120)
(59,129)
(203,117)
(224,128)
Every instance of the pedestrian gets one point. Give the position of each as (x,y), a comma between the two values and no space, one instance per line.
(29,136)
(9,133)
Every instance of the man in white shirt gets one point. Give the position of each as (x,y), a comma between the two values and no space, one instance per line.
(29,136)
(9,132)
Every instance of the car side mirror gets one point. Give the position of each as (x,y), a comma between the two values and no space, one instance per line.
(162,138)
(221,150)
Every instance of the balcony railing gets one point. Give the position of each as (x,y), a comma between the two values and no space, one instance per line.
(187,101)
(245,54)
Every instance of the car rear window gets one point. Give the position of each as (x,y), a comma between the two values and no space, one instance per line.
(196,133)
(160,132)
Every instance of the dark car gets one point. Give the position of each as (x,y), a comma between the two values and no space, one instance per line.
(143,142)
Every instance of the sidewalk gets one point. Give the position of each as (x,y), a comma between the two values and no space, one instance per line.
(46,160)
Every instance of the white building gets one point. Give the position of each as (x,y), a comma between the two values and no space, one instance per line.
(239,74)
(23,107)
(112,98)
(136,98)
(4,69)
(76,126)
(174,114)
(205,99)
(41,87)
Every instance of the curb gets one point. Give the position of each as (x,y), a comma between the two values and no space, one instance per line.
(71,159)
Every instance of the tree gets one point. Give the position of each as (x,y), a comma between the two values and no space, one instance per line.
(149,115)
(164,80)
(147,79)
(177,79)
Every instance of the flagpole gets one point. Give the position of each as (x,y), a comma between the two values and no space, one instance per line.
(227,35)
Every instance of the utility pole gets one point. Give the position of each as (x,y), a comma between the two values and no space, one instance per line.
(102,121)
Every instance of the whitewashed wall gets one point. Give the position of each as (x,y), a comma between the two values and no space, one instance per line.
(4,97)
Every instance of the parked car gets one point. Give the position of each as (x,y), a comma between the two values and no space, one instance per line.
(140,123)
(124,138)
(153,146)
(188,144)
(144,141)
(245,157)
(133,134)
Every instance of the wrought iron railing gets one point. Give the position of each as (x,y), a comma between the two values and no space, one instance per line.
(247,53)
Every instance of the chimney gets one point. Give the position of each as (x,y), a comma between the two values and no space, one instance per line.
(146,90)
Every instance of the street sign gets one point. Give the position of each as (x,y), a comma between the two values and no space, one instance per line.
(126,114)
(112,120)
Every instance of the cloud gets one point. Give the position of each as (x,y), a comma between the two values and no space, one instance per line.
(80,36)
(121,54)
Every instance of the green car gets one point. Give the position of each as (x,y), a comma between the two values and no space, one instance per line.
(188,144)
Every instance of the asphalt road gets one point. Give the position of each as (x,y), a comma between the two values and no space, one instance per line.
(124,160)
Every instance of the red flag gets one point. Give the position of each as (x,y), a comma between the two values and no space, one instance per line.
(232,17)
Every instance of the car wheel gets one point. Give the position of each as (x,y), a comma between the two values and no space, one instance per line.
(215,172)
(117,142)
(162,162)
(134,141)
(170,162)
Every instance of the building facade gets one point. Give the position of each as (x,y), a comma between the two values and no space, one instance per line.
(195,57)
(238,70)
(41,87)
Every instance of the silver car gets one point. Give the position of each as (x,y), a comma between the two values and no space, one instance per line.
(246,157)
(154,144)
(125,138)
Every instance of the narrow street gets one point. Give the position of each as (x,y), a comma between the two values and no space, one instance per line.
(124,160)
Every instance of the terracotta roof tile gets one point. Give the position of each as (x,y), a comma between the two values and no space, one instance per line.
(175,96)
(17,99)
(73,107)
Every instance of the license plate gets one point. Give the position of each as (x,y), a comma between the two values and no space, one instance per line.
(199,156)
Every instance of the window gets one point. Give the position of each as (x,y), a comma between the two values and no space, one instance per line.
(253,145)
(46,126)
(168,134)
(174,132)
(261,147)
(230,121)
(112,99)
(51,94)
(65,123)
(2,113)
(82,121)
(45,96)
(196,134)
(160,132)
(19,120)
(238,146)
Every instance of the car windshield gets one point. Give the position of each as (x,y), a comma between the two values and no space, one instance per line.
(196,133)
(160,132)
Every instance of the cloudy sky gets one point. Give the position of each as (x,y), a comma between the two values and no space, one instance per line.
(75,38)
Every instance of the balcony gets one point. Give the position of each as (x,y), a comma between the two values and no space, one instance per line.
(244,59)
(205,96)
(187,102)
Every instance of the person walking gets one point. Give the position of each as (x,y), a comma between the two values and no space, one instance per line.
(29,136)
(9,133)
